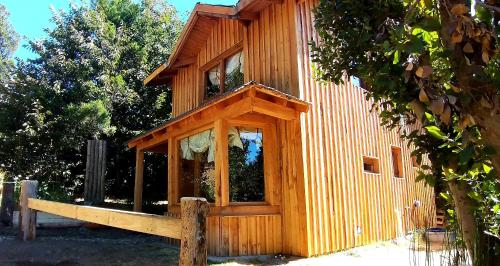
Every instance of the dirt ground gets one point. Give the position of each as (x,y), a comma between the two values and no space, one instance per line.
(83,246)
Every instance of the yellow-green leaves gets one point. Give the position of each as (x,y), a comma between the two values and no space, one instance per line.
(436,132)
(396,57)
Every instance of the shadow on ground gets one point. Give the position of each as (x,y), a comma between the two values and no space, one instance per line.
(83,246)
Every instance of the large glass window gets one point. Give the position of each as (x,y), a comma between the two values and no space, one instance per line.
(197,167)
(246,164)
(226,76)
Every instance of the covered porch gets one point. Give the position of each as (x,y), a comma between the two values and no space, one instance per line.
(231,151)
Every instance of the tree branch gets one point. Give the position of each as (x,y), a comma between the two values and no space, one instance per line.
(494,8)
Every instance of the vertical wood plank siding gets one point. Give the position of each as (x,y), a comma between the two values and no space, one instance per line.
(337,132)
(185,93)
(270,48)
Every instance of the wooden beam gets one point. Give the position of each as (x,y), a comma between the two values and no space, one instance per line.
(172,184)
(182,62)
(155,73)
(274,110)
(139,174)
(221,163)
(134,221)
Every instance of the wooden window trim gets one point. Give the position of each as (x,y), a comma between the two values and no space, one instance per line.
(222,56)
(399,161)
(377,161)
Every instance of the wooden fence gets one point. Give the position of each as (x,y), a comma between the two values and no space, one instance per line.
(190,228)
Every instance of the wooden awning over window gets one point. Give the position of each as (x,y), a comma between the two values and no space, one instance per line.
(250,98)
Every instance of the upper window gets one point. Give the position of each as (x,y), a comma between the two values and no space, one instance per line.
(226,76)
(197,167)
(246,164)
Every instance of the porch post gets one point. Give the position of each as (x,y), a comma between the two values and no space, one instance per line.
(139,172)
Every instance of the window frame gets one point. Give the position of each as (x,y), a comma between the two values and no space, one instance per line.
(399,161)
(177,161)
(376,165)
(220,62)
(272,192)
(222,205)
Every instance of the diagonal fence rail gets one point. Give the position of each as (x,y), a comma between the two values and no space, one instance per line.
(134,221)
(190,228)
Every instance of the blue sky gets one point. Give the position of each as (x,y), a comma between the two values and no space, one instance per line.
(31,17)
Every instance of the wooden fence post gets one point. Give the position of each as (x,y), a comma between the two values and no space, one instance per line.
(7,204)
(95,171)
(27,217)
(194,231)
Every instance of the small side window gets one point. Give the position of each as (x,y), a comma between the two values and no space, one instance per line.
(371,165)
(414,161)
(397,162)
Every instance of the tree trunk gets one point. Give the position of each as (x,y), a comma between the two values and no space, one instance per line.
(490,131)
(465,216)
(484,107)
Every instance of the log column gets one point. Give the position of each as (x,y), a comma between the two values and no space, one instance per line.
(27,217)
(139,173)
(194,231)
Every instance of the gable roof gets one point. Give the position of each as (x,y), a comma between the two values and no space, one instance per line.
(196,31)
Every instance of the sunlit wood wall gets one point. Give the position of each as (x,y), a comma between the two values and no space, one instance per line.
(185,92)
(270,48)
(326,196)
(349,207)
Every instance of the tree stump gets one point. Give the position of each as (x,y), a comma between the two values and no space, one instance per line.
(7,204)
(27,217)
(95,171)
(194,231)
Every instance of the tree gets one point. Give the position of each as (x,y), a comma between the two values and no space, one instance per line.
(437,65)
(8,44)
(86,82)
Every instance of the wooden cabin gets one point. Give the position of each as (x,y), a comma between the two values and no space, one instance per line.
(289,164)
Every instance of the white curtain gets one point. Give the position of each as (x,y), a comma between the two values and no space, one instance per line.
(199,143)
(234,62)
(203,141)
(236,134)
(214,77)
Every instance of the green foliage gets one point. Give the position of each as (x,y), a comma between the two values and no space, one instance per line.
(86,82)
(435,67)
(8,44)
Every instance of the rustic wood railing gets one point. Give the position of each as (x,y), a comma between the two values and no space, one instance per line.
(190,228)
